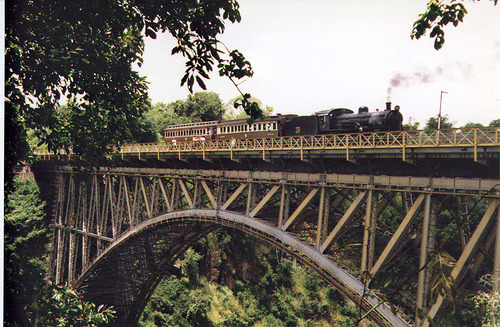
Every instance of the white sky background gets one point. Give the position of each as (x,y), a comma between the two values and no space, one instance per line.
(314,55)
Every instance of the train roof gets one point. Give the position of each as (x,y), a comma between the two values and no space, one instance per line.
(334,112)
(227,122)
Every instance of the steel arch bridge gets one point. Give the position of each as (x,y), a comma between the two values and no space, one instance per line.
(117,231)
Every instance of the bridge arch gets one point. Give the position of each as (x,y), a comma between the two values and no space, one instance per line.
(187,226)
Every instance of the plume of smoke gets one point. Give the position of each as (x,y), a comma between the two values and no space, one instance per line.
(421,76)
(425,75)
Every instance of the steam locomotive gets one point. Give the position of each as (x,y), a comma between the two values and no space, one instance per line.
(339,120)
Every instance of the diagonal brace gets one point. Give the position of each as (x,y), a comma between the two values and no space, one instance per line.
(301,207)
(398,235)
(264,200)
(342,222)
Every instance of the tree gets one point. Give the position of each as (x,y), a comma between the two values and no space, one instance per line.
(82,53)
(60,306)
(29,299)
(161,115)
(26,238)
(495,123)
(433,122)
(472,125)
(438,15)
(200,106)
(412,125)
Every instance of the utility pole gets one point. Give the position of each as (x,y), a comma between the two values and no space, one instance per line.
(440,103)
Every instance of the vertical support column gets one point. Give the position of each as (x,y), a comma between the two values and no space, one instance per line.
(59,241)
(250,197)
(366,233)
(101,219)
(326,217)
(321,213)
(84,225)
(496,264)
(111,197)
(284,205)
(222,192)
(428,233)
(369,231)
(69,221)
(175,195)
(71,258)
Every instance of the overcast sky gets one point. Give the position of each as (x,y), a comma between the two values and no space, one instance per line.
(318,54)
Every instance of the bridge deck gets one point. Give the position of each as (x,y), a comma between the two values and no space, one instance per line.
(477,143)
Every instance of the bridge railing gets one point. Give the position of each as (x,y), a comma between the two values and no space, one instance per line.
(457,137)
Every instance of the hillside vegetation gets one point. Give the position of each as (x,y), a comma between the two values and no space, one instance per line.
(228,279)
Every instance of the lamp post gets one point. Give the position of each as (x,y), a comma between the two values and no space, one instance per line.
(440,103)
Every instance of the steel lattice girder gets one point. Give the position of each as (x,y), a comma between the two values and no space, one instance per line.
(116,232)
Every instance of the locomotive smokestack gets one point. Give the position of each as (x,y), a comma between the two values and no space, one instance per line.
(388,106)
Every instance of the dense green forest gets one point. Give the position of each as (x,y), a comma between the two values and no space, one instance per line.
(229,279)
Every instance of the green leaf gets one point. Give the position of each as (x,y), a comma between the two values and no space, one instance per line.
(200,82)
